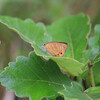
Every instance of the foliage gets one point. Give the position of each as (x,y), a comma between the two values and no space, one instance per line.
(33,77)
(34,33)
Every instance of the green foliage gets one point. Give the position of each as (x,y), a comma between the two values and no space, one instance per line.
(93,54)
(61,31)
(94,92)
(71,29)
(96,71)
(93,89)
(94,43)
(36,78)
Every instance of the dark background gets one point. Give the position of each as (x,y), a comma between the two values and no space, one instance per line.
(46,11)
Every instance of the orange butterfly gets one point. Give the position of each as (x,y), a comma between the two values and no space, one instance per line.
(56,48)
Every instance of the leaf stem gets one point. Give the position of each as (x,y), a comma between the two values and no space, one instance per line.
(85,83)
(90,72)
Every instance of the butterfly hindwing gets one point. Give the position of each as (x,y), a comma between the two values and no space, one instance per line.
(56,48)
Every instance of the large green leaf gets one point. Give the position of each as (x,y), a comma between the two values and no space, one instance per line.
(74,31)
(61,31)
(27,29)
(34,77)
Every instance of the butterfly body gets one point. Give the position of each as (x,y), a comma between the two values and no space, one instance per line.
(56,48)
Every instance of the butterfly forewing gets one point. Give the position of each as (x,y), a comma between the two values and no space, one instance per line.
(56,48)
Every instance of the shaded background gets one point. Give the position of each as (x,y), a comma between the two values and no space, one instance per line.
(46,11)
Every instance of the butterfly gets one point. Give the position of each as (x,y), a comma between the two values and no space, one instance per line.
(56,48)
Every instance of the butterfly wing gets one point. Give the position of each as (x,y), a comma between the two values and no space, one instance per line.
(56,48)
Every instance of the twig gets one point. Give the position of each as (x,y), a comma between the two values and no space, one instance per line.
(85,83)
(90,72)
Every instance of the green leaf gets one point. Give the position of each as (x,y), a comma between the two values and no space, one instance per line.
(72,30)
(97,31)
(70,65)
(93,89)
(93,92)
(94,46)
(94,95)
(75,93)
(34,77)
(28,30)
